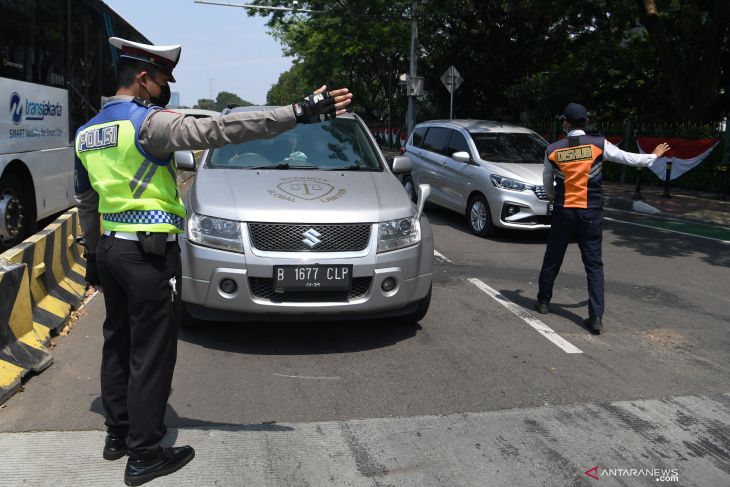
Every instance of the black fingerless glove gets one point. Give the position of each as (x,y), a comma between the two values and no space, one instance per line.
(315,108)
(92,272)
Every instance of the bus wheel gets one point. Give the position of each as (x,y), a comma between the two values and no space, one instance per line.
(16,212)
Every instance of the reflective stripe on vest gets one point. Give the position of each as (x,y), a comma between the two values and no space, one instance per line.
(141,217)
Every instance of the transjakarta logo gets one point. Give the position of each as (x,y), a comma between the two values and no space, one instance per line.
(16,108)
(34,110)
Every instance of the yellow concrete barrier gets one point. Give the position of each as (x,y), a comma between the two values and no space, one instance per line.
(55,271)
(22,350)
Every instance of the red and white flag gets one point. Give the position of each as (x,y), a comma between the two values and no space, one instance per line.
(684,154)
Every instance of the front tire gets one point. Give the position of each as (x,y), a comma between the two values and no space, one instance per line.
(479,217)
(17,218)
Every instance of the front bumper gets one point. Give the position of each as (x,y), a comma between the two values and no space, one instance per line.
(204,268)
(531,214)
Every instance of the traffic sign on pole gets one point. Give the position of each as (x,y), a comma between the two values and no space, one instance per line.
(451,80)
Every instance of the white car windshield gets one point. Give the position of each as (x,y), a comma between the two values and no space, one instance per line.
(339,144)
(510,147)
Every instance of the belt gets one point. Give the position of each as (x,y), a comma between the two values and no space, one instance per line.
(133,236)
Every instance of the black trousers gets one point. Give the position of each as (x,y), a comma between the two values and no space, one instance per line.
(585,225)
(140,340)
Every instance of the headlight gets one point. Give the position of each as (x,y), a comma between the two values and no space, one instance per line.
(510,184)
(398,234)
(218,233)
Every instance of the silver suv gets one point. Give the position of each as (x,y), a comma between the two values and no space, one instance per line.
(309,225)
(491,172)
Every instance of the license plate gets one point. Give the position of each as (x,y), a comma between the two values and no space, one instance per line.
(312,277)
(549,209)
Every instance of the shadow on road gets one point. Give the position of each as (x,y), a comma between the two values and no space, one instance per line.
(664,244)
(173,421)
(558,309)
(298,338)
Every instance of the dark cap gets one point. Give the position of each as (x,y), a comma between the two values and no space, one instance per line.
(575,114)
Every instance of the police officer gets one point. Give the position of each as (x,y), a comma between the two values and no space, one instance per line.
(572,178)
(125,174)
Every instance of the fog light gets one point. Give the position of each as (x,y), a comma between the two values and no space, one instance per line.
(511,210)
(228,286)
(388,284)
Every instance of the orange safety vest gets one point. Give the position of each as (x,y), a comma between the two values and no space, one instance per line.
(578,163)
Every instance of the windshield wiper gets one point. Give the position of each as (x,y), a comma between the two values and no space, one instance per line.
(282,165)
(353,167)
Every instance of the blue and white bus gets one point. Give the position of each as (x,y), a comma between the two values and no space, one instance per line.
(55,67)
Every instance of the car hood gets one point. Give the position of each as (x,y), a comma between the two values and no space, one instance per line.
(292,196)
(529,173)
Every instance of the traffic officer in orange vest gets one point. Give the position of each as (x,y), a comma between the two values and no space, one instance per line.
(125,173)
(572,177)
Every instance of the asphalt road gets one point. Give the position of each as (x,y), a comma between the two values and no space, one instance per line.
(382,403)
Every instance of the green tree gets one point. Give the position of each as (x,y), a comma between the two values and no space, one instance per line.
(665,59)
(226,98)
(205,104)
(290,87)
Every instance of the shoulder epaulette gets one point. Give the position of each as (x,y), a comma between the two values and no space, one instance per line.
(143,102)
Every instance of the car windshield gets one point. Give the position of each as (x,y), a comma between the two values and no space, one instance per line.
(339,144)
(510,147)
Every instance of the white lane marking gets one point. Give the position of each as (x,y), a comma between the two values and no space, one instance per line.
(441,256)
(667,230)
(307,377)
(541,327)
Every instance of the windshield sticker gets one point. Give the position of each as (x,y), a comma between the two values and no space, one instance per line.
(310,188)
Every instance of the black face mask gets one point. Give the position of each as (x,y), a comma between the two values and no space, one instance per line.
(164,98)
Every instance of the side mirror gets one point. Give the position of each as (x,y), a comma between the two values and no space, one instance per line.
(185,160)
(424,191)
(401,165)
(462,156)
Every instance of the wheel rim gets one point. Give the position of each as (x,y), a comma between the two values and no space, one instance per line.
(478,216)
(11,217)
(411,190)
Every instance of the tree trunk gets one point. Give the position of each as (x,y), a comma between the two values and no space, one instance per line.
(691,104)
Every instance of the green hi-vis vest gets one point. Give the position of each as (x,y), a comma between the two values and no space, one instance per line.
(137,193)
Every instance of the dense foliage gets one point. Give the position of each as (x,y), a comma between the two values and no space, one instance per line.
(521,59)
(224,99)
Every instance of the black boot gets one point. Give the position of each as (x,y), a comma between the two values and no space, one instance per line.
(594,324)
(115,447)
(542,307)
(168,461)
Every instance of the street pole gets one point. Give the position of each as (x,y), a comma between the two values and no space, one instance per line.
(725,161)
(451,106)
(390,97)
(411,96)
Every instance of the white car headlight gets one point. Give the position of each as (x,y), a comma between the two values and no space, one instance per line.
(398,234)
(217,233)
(510,184)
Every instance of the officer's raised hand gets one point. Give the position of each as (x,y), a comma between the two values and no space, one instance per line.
(661,149)
(322,105)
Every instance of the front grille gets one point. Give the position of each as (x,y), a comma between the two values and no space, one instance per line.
(263,288)
(540,192)
(285,237)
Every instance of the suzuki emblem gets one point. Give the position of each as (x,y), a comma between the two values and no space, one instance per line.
(311,238)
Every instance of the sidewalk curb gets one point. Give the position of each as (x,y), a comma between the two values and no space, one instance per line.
(628,204)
